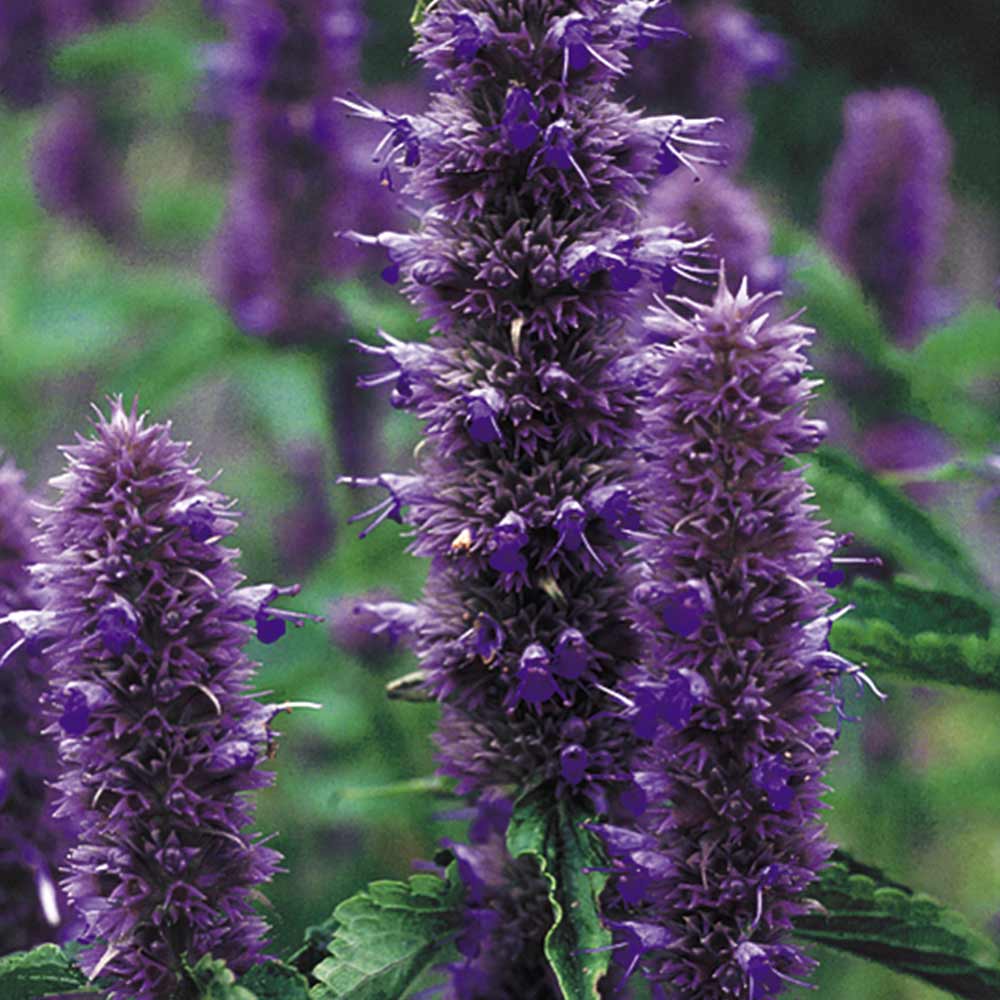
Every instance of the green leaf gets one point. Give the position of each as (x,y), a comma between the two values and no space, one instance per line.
(555,835)
(865,913)
(948,363)
(856,501)
(44,971)
(420,10)
(276,981)
(926,657)
(215,981)
(913,610)
(386,936)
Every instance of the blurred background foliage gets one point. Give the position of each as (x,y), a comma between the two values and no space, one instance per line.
(916,788)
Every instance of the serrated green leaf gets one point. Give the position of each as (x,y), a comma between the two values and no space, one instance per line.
(276,981)
(856,501)
(555,835)
(42,972)
(869,915)
(215,981)
(926,658)
(912,610)
(386,936)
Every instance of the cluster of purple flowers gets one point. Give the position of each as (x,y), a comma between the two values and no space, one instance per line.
(32,843)
(143,621)
(736,670)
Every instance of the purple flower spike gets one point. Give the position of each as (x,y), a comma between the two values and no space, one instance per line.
(736,675)
(140,662)
(886,203)
(528,255)
(32,842)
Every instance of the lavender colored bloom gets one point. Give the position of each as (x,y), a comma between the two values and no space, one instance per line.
(32,842)
(715,53)
(736,667)
(286,62)
(527,260)
(730,214)
(298,181)
(886,203)
(77,172)
(145,618)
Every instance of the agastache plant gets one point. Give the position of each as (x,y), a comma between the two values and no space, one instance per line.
(143,623)
(32,842)
(886,204)
(526,260)
(736,670)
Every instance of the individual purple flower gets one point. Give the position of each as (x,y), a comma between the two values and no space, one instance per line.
(886,203)
(32,842)
(78,173)
(144,620)
(736,669)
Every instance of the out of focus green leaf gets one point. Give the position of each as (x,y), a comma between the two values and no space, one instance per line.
(944,370)
(926,658)
(554,834)
(386,936)
(863,912)
(856,501)
(912,610)
(44,971)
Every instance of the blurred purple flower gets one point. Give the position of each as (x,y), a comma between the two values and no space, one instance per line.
(886,204)
(77,172)
(32,842)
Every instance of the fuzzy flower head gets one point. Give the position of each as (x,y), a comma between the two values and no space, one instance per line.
(32,843)
(145,619)
(886,203)
(736,670)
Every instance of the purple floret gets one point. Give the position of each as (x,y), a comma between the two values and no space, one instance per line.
(145,619)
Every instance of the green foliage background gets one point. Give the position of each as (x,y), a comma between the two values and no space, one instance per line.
(79,319)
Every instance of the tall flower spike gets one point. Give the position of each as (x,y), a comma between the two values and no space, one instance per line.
(886,203)
(528,259)
(160,742)
(298,180)
(32,842)
(736,668)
